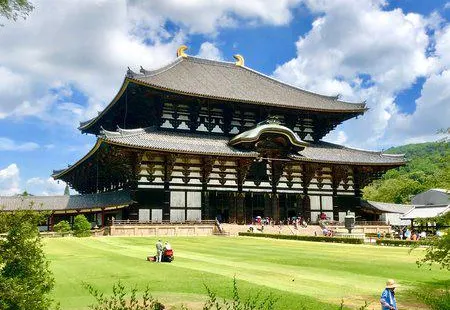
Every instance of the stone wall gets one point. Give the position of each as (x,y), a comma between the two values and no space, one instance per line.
(161,230)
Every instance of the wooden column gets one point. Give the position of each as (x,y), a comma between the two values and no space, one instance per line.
(240,208)
(103,217)
(232,207)
(50,222)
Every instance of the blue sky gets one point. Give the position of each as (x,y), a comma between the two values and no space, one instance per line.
(68,59)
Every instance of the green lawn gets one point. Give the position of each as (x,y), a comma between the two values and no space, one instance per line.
(316,275)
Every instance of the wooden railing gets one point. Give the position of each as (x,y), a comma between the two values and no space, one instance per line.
(359,223)
(137,222)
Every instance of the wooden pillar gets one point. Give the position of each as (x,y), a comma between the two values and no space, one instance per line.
(240,208)
(103,217)
(275,206)
(267,206)
(306,203)
(232,206)
(50,222)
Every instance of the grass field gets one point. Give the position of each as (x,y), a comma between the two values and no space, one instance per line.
(315,275)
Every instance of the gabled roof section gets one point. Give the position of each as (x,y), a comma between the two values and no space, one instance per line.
(227,81)
(176,142)
(387,207)
(423,212)
(115,199)
(324,152)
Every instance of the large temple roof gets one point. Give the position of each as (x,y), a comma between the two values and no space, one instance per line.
(324,152)
(65,202)
(206,144)
(228,81)
(176,142)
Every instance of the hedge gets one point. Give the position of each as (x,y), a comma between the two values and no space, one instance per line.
(394,242)
(306,238)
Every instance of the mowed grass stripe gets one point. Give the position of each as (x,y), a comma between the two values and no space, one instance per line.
(321,272)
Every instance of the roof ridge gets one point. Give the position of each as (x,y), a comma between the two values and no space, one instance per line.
(145,73)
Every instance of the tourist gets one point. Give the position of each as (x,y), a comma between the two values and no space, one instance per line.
(323,216)
(439,233)
(414,236)
(408,234)
(387,299)
(159,251)
(423,234)
(167,246)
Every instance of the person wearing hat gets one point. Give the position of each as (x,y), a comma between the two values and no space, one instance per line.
(159,251)
(387,299)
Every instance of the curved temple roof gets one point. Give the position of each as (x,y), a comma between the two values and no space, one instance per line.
(324,152)
(230,82)
(66,203)
(205,144)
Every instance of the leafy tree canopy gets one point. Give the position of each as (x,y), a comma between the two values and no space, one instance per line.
(428,167)
(25,277)
(15,9)
(81,226)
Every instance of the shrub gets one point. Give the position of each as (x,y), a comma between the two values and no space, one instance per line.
(119,299)
(62,227)
(394,242)
(306,238)
(81,226)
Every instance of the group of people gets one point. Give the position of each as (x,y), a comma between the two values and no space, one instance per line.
(160,249)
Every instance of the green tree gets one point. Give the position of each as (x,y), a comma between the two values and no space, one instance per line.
(428,167)
(81,226)
(62,227)
(66,190)
(438,248)
(15,9)
(25,277)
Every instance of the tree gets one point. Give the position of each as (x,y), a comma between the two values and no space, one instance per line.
(81,226)
(438,250)
(25,277)
(62,227)
(15,9)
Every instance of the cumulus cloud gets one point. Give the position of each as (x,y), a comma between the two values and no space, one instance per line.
(83,46)
(358,49)
(45,187)
(9,180)
(7,144)
(207,17)
(209,50)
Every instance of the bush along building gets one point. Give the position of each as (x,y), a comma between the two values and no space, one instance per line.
(199,139)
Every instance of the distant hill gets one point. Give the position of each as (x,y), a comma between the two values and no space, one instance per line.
(428,167)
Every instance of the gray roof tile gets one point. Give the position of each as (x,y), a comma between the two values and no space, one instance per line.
(176,142)
(227,81)
(333,153)
(66,202)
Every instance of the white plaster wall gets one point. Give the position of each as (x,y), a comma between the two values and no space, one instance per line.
(194,199)
(157,215)
(177,199)
(144,215)
(177,216)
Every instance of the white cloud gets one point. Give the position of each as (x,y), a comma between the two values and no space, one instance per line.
(9,180)
(209,50)
(7,144)
(84,46)
(45,187)
(363,52)
(207,17)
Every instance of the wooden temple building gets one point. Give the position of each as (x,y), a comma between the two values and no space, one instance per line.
(199,139)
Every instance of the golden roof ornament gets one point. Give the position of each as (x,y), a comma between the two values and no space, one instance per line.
(180,51)
(239,60)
